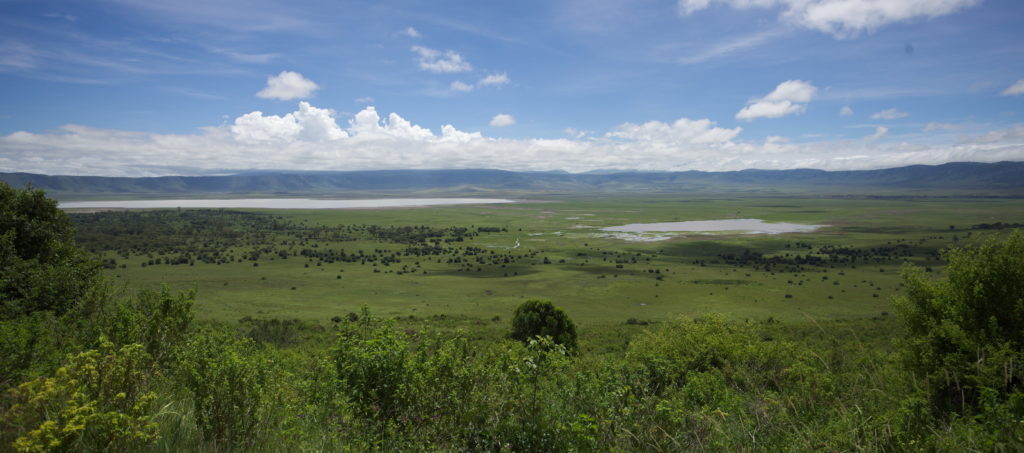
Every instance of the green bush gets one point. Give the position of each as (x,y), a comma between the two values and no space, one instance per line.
(226,378)
(967,331)
(671,355)
(535,318)
(159,320)
(373,367)
(100,401)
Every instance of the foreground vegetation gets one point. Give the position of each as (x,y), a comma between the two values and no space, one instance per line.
(110,369)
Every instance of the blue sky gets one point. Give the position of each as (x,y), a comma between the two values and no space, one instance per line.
(138,88)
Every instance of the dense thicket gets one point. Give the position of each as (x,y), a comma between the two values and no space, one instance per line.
(115,372)
(967,331)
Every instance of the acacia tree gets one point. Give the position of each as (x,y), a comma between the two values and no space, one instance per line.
(967,331)
(541,318)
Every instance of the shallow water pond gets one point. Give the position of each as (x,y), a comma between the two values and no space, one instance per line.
(745,226)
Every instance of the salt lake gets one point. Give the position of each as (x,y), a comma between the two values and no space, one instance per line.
(745,226)
(279,203)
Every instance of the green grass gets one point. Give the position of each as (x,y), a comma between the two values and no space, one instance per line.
(591,289)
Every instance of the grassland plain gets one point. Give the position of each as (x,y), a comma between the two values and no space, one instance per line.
(598,278)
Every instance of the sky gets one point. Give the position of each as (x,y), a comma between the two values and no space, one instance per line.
(199,87)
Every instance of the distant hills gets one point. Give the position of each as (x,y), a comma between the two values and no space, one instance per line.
(1002,178)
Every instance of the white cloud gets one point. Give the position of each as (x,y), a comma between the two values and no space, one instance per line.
(683,131)
(367,126)
(941,127)
(435,61)
(889,114)
(458,85)
(769,110)
(256,58)
(841,18)
(880,131)
(286,86)
(18,56)
(308,124)
(730,46)
(494,79)
(1016,89)
(312,138)
(502,120)
(687,7)
(412,33)
(788,98)
(846,111)
(364,100)
(576,133)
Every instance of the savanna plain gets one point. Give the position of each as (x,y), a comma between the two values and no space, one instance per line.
(401,329)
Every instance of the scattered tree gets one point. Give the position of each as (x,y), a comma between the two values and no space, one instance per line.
(541,318)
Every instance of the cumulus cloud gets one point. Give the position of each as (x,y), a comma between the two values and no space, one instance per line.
(367,126)
(435,61)
(286,86)
(502,120)
(846,111)
(841,18)
(889,114)
(1016,89)
(315,138)
(788,98)
(494,79)
(458,85)
(308,123)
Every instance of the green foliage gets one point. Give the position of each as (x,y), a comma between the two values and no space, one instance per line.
(226,378)
(373,367)
(40,266)
(100,401)
(967,331)
(274,331)
(159,320)
(679,351)
(535,318)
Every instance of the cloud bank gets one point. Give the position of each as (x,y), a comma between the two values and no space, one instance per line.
(313,138)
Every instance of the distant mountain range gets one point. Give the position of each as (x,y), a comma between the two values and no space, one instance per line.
(1002,178)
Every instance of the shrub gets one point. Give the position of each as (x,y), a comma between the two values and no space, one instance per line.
(671,355)
(226,379)
(372,366)
(540,318)
(159,320)
(967,331)
(100,401)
